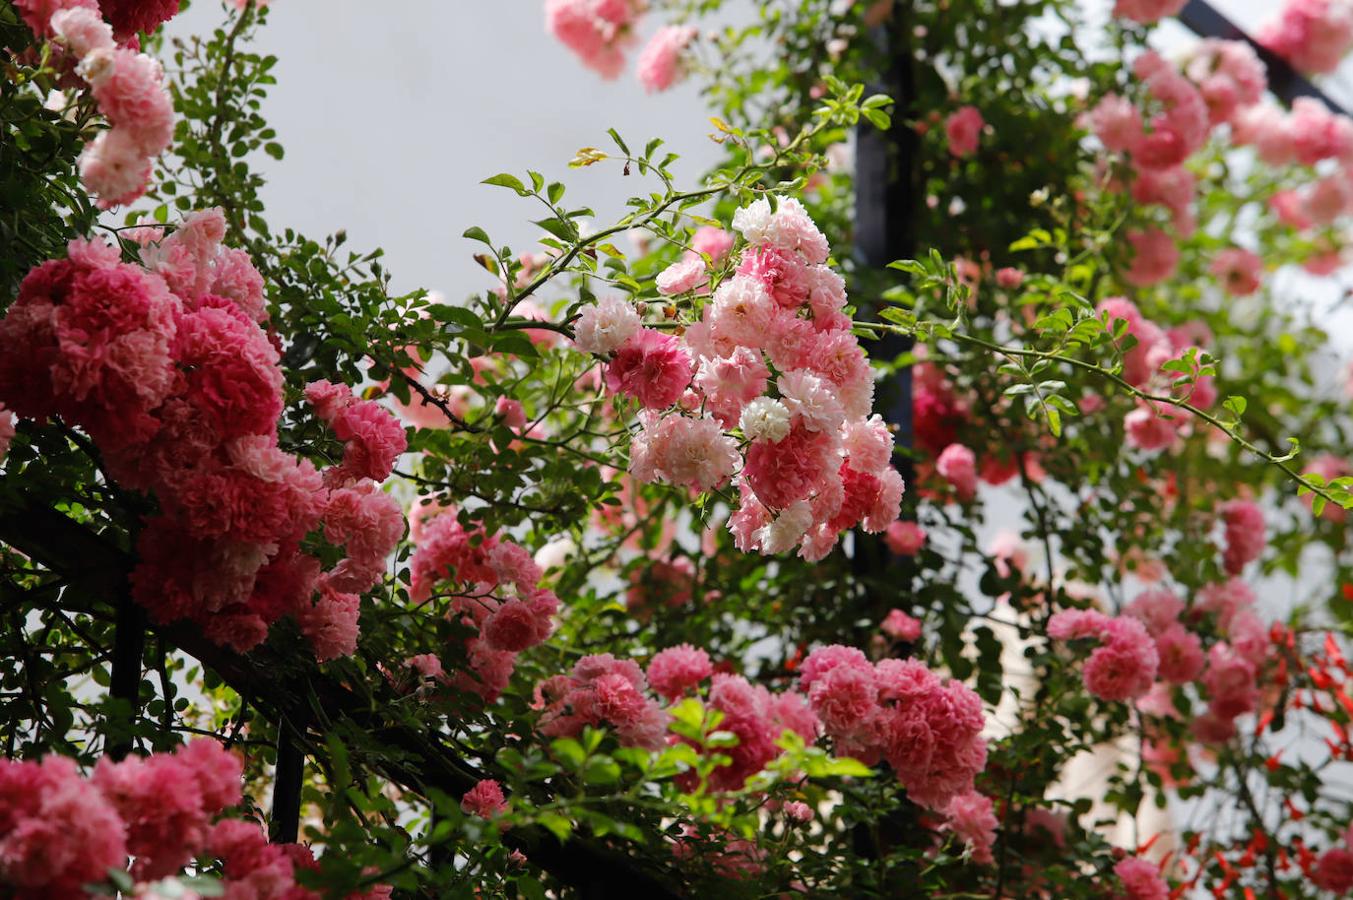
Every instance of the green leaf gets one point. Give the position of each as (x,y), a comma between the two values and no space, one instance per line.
(1054,420)
(514,342)
(898,316)
(601,769)
(846,767)
(1291,454)
(615,136)
(560,826)
(1058,321)
(455,315)
(689,712)
(530,888)
(503,179)
(569,752)
(878,118)
(560,228)
(121,879)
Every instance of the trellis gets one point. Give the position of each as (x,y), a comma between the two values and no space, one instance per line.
(286,691)
(887,192)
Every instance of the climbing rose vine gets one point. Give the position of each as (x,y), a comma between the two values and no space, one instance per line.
(944,494)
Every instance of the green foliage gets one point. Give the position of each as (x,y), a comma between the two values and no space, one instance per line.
(1041,369)
(44,205)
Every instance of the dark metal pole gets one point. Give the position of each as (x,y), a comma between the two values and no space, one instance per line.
(129,645)
(285,821)
(887,194)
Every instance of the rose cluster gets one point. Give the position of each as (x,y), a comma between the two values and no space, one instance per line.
(757,717)
(1153,426)
(663,60)
(1246,534)
(501,599)
(963,130)
(1141,879)
(167,369)
(601,31)
(125,17)
(485,799)
(1234,663)
(255,869)
(1222,83)
(1124,665)
(603,691)
(1178,128)
(126,85)
(1333,870)
(598,31)
(769,385)
(1180,651)
(59,831)
(1313,35)
(1311,136)
(1152,640)
(938,409)
(928,729)
(972,818)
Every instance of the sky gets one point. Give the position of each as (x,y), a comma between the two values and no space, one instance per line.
(390,122)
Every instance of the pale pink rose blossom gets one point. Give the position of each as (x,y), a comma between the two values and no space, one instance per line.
(598,31)
(958,466)
(661,63)
(684,275)
(905,538)
(1239,270)
(900,626)
(1147,12)
(711,241)
(602,328)
(1313,35)
(1116,122)
(962,129)
(1155,256)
